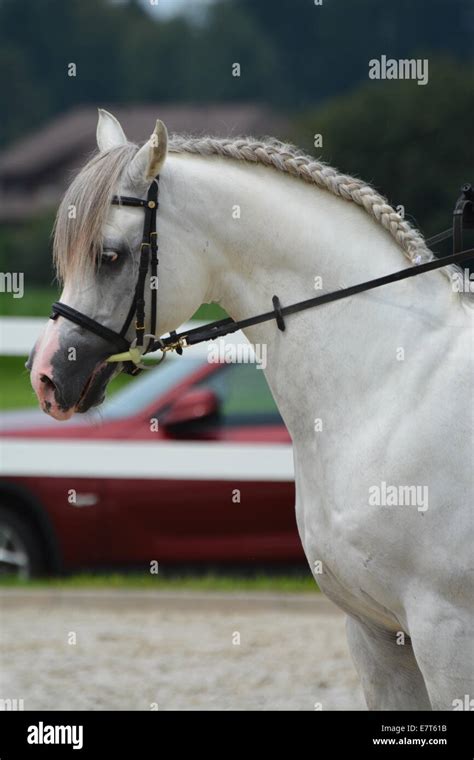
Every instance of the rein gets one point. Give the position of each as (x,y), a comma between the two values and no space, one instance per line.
(131,353)
(226,326)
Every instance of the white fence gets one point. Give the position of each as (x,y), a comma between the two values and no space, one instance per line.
(19,334)
(125,459)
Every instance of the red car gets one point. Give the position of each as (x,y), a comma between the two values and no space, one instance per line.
(190,463)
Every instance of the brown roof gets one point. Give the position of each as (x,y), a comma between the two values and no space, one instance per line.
(73,134)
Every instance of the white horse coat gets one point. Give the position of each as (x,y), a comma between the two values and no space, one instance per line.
(376,391)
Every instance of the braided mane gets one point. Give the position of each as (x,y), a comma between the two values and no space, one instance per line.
(286,158)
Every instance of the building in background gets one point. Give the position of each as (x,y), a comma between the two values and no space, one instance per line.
(35,171)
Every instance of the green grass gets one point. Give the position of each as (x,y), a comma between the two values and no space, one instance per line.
(209,312)
(15,388)
(298,582)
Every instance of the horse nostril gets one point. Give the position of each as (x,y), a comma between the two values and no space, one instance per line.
(47,381)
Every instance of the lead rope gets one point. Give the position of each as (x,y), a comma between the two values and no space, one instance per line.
(463,218)
(227,326)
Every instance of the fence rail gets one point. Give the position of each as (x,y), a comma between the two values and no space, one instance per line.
(19,334)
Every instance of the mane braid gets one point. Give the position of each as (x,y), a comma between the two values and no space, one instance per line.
(290,160)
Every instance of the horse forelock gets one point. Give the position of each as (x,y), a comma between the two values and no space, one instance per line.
(77,234)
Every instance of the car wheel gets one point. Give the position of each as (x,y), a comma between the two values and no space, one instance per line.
(20,547)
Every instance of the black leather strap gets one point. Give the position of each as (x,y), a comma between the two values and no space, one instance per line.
(227,326)
(153,269)
(126,200)
(463,216)
(129,317)
(149,234)
(62,310)
(278,315)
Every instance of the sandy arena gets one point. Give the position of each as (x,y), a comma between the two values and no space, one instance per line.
(174,651)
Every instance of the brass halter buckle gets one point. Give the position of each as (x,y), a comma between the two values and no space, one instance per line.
(181,343)
(135,353)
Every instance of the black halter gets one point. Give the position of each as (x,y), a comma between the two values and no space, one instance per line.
(463,218)
(148,260)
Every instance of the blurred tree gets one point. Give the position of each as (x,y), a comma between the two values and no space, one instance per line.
(27,248)
(232,36)
(41,39)
(411,142)
(293,53)
(324,49)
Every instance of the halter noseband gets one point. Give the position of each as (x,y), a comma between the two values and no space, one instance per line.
(130,353)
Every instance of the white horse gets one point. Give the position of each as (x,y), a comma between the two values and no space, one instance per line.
(376,390)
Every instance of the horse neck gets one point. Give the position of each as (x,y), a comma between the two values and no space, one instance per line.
(271,234)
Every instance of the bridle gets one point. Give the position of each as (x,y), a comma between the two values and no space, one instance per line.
(131,353)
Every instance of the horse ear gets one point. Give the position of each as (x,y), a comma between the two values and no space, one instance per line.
(109,132)
(149,160)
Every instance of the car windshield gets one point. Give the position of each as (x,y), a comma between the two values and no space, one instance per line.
(149,386)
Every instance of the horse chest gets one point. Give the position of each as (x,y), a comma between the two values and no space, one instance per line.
(353,582)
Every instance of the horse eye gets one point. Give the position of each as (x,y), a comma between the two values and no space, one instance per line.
(109,257)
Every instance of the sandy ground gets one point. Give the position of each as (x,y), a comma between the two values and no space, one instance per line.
(176,651)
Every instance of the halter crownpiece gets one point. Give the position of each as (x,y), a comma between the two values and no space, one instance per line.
(131,353)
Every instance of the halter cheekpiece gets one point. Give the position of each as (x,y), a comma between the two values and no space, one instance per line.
(130,353)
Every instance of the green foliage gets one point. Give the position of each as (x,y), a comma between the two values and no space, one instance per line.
(411,142)
(16,391)
(292,52)
(324,50)
(26,248)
